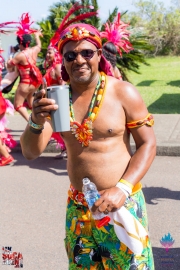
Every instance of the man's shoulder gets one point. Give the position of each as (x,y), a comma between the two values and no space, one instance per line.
(122,87)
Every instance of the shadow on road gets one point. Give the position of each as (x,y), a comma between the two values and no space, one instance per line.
(156,193)
(166,260)
(45,163)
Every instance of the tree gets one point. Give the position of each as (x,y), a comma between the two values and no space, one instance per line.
(160,24)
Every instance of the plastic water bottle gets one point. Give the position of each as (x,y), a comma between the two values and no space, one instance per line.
(91,195)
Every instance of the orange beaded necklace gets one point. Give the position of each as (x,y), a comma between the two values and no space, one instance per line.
(84,132)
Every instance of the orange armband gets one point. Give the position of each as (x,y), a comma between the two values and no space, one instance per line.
(148,120)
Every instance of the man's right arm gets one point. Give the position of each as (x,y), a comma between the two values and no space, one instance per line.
(33,144)
(37,36)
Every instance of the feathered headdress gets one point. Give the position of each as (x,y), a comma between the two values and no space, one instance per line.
(66,21)
(6,25)
(25,26)
(118,34)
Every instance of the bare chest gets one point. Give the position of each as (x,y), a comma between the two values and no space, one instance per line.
(110,119)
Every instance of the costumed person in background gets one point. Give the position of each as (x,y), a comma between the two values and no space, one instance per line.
(25,61)
(103,111)
(109,51)
(12,72)
(117,41)
(52,65)
(6,140)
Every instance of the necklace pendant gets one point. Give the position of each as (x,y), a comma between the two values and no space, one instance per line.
(83,132)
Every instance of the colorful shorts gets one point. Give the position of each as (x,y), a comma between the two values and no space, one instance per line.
(89,247)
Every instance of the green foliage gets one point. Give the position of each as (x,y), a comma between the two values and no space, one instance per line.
(71,238)
(48,31)
(86,262)
(99,236)
(73,266)
(113,235)
(72,212)
(100,266)
(160,24)
(121,258)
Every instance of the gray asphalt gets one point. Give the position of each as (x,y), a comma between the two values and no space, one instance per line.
(33,201)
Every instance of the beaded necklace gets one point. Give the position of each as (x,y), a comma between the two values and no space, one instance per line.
(83,132)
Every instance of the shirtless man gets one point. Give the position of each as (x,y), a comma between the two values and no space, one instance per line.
(105,158)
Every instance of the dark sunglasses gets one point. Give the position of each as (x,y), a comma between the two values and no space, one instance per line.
(71,55)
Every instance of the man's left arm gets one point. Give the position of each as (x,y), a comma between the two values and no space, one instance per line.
(140,162)
(144,155)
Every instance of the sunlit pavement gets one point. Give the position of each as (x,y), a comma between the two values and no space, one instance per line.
(33,201)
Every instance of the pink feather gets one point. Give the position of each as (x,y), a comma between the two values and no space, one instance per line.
(25,25)
(118,34)
(6,25)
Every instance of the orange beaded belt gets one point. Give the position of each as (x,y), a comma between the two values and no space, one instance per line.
(78,197)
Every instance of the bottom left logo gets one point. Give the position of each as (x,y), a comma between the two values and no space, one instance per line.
(10,257)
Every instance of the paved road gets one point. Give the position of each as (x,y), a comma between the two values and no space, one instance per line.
(33,201)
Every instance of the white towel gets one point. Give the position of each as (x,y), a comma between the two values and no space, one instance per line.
(129,230)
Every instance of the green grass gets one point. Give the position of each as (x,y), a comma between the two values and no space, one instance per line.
(159,84)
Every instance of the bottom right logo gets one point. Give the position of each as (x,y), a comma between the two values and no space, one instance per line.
(167,242)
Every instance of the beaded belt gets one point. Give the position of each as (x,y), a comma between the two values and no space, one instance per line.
(77,196)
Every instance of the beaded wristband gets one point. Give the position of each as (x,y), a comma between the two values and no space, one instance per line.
(33,125)
(127,190)
(35,131)
(126,183)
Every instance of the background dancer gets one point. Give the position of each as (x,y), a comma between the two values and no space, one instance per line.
(52,65)
(6,140)
(25,61)
(109,51)
(116,37)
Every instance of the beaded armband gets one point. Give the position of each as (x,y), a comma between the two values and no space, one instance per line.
(34,126)
(148,120)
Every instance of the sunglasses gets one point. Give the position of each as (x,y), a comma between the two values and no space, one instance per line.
(71,55)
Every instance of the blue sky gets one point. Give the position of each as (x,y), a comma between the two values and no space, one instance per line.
(12,9)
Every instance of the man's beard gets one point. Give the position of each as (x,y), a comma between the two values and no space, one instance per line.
(82,79)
